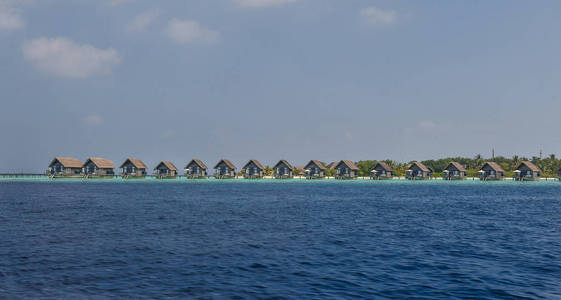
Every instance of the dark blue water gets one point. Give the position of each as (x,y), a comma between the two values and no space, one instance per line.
(270,240)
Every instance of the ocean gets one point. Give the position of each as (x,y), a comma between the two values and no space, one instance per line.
(244,239)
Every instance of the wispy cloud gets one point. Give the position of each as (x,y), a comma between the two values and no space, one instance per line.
(143,20)
(65,58)
(10,16)
(262,3)
(190,31)
(119,2)
(374,15)
(424,126)
(93,120)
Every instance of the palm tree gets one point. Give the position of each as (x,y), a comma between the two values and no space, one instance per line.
(478,161)
(515,161)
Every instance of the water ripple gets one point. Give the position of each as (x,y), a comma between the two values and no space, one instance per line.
(280,241)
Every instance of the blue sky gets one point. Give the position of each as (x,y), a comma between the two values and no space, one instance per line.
(272,79)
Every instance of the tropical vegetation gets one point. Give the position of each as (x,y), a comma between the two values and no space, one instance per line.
(549,165)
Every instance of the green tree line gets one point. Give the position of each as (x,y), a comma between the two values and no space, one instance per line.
(549,165)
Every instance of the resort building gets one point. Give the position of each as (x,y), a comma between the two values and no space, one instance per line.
(527,171)
(165,170)
(314,169)
(346,169)
(65,167)
(381,171)
(454,171)
(196,169)
(491,171)
(98,167)
(418,171)
(283,170)
(253,169)
(133,167)
(224,169)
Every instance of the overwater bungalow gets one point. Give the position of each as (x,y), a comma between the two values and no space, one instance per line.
(165,170)
(418,171)
(224,169)
(314,170)
(253,170)
(381,171)
(283,170)
(133,168)
(527,171)
(346,169)
(491,171)
(98,167)
(454,171)
(196,169)
(65,167)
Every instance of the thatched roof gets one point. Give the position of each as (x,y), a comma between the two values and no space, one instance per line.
(135,162)
(300,169)
(384,166)
(317,163)
(67,162)
(421,166)
(457,165)
(351,165)
(198,162)
(286,163)
(101,163)
(331,165)
(529,165)
(255,162)
(227,162)
(495,166)
(167,164)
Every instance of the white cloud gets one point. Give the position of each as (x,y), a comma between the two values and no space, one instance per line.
(189,31)
(262,3)
(425,126)
(119,2)
(66,58)
(10,17)
(93,120)
(143,20)
(375,15)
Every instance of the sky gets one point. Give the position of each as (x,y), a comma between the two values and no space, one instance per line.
(277,79)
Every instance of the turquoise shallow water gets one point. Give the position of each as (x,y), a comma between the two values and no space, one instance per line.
(294,239)
(276,181)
